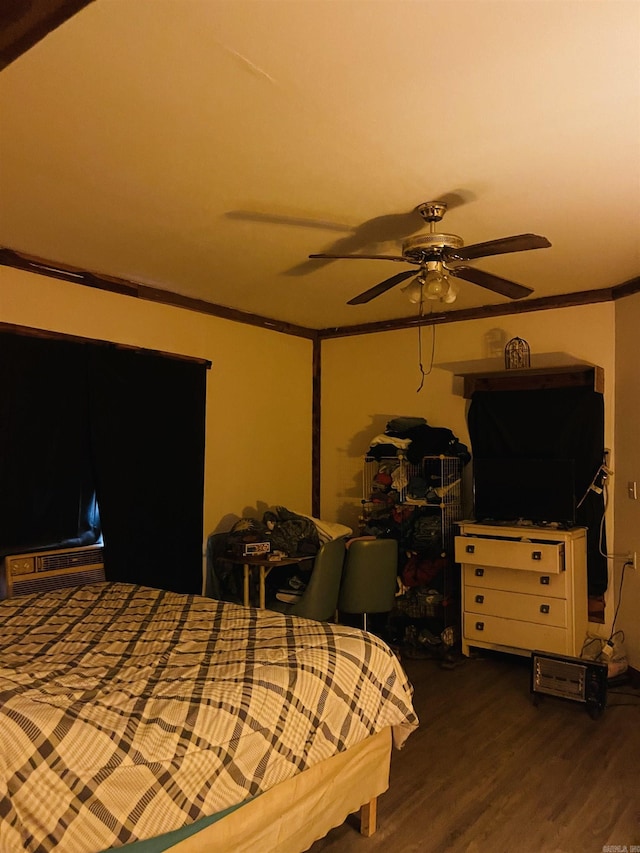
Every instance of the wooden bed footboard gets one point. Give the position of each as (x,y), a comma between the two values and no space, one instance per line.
(291,816)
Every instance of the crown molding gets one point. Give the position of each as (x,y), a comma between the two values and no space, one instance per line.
(19,260)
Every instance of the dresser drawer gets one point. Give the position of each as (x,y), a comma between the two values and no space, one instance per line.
(494,630)
(535,583)
(516,605)
(543,557)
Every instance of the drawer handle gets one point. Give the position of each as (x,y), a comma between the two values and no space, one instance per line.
(544,608)
(536,555)
(470,549)
(545,580)
(479,626)
(479,599)
(479,573)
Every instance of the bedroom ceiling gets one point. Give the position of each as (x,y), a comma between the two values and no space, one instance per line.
(207,147)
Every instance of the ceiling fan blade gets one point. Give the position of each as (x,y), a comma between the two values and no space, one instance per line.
(491,282)
(368,258)
(518,243)
(381,288)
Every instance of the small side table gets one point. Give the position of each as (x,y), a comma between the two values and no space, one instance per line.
(264,566)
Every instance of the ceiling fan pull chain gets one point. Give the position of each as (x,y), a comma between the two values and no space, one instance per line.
(425,373)
(420,367)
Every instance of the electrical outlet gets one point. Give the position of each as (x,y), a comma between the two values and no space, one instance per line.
(632,559)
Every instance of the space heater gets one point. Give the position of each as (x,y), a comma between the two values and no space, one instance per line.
(42,571)
(576,679)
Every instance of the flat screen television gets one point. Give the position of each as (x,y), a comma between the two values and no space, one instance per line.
(540,491)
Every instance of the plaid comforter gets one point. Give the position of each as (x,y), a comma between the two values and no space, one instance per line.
(126,712)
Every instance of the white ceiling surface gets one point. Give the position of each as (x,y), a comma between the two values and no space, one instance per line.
(207,147)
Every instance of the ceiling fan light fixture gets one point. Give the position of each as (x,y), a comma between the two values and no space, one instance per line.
(438,287)
(452,292)
(415,290)
(433,283)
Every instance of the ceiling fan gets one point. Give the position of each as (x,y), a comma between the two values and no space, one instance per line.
(434,252)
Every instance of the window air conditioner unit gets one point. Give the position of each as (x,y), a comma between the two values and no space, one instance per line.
(46,570)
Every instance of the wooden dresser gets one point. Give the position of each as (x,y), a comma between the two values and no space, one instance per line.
(523,588)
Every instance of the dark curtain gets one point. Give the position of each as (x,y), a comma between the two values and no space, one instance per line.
(147,432)
(79,419)
(563,423)
(46,479)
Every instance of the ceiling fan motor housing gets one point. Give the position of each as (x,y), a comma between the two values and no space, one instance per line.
(432,211)
(430,245)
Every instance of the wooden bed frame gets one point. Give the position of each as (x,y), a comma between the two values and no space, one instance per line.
(294,814)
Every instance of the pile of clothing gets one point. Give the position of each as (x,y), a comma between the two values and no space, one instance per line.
(289,533)
(415,439)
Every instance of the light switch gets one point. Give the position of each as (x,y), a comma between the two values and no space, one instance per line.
(632,490)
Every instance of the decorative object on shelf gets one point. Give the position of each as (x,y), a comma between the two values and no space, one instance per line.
(517,354)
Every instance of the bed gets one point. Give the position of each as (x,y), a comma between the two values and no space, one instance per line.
(140,719)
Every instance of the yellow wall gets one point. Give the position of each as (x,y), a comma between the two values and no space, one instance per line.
(259,395)
(258,440)
(627,467)
(369,379)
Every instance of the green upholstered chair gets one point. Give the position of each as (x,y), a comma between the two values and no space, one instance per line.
(369,577)
(320,597)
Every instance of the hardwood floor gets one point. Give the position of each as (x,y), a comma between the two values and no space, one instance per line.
(489,772)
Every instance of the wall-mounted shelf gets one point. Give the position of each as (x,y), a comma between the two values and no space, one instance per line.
(536,379)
